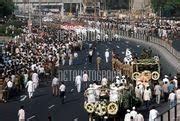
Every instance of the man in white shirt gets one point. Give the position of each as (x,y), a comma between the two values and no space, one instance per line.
(157,91)
(21,114)
(78,80)
(85,79)
(107,55)
(172,99)
(55,85)
(30,88)
(175,82)
(62,90)
(35,79)
(9,87)
(178,95)
(139,117)
(153,113)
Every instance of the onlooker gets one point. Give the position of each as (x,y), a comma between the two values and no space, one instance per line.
(21,114)
(153,114)
(147,96)
(157,92)
(172,99)
(165,91)
(62,90)
(55,85)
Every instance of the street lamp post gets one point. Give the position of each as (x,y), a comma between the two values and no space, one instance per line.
(40,17)
(29,21)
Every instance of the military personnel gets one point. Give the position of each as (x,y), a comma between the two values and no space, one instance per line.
(98,62)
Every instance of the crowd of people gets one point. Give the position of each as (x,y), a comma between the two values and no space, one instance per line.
(36,57)
(32,57)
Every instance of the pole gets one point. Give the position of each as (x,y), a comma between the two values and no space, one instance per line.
(40,16)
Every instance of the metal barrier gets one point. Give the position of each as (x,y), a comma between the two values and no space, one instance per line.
(172,114)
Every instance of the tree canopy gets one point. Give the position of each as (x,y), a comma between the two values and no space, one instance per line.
(166,7)
(6,7)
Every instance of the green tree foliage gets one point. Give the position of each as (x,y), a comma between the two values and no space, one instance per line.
(165,7)
(6,7)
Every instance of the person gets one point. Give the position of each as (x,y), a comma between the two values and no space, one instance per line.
(157,91)
(127,116)
(107,55)
(21,114)
(171,87)
(178,95)
(118,80)
(91,98)
(90,55)
(62,90)
(78,80)
(104,81)
(172,99)
(98,62)
(139,117)
(55,84)
(35,79)
(165,91)
(113,95)
(85,79)
(30,88)
(138,92)
(147,96)
(175,82)
(9,88)
(133,113)
(166,79)
(123,80)
(153,114)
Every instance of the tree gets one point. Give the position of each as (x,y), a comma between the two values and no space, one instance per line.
(165,7)
(6,7)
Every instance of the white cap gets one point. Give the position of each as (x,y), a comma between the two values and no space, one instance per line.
(128,111)
(175,77)
(165,76)
(133,108)
(123,76)
(117,76)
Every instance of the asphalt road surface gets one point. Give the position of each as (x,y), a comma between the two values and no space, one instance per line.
(44,104)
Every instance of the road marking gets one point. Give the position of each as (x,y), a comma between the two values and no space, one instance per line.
(138,45)
(31,118)
(23,98)
(76,119)
(51,106)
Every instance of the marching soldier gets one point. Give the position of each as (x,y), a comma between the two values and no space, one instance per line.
(107,55)
(98,62)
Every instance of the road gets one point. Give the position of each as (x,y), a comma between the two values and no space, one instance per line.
(44,104)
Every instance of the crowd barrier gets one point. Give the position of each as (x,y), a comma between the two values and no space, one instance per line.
(92,36)
(172,114)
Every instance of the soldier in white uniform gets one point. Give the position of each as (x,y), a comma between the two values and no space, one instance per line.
(166,79)
(107,55)
(133,113)
(30,88)
(127,116)
(91,94)
(113,96)
(78,80)
(117,80)
(35,79)
(104,81)
(123,80)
